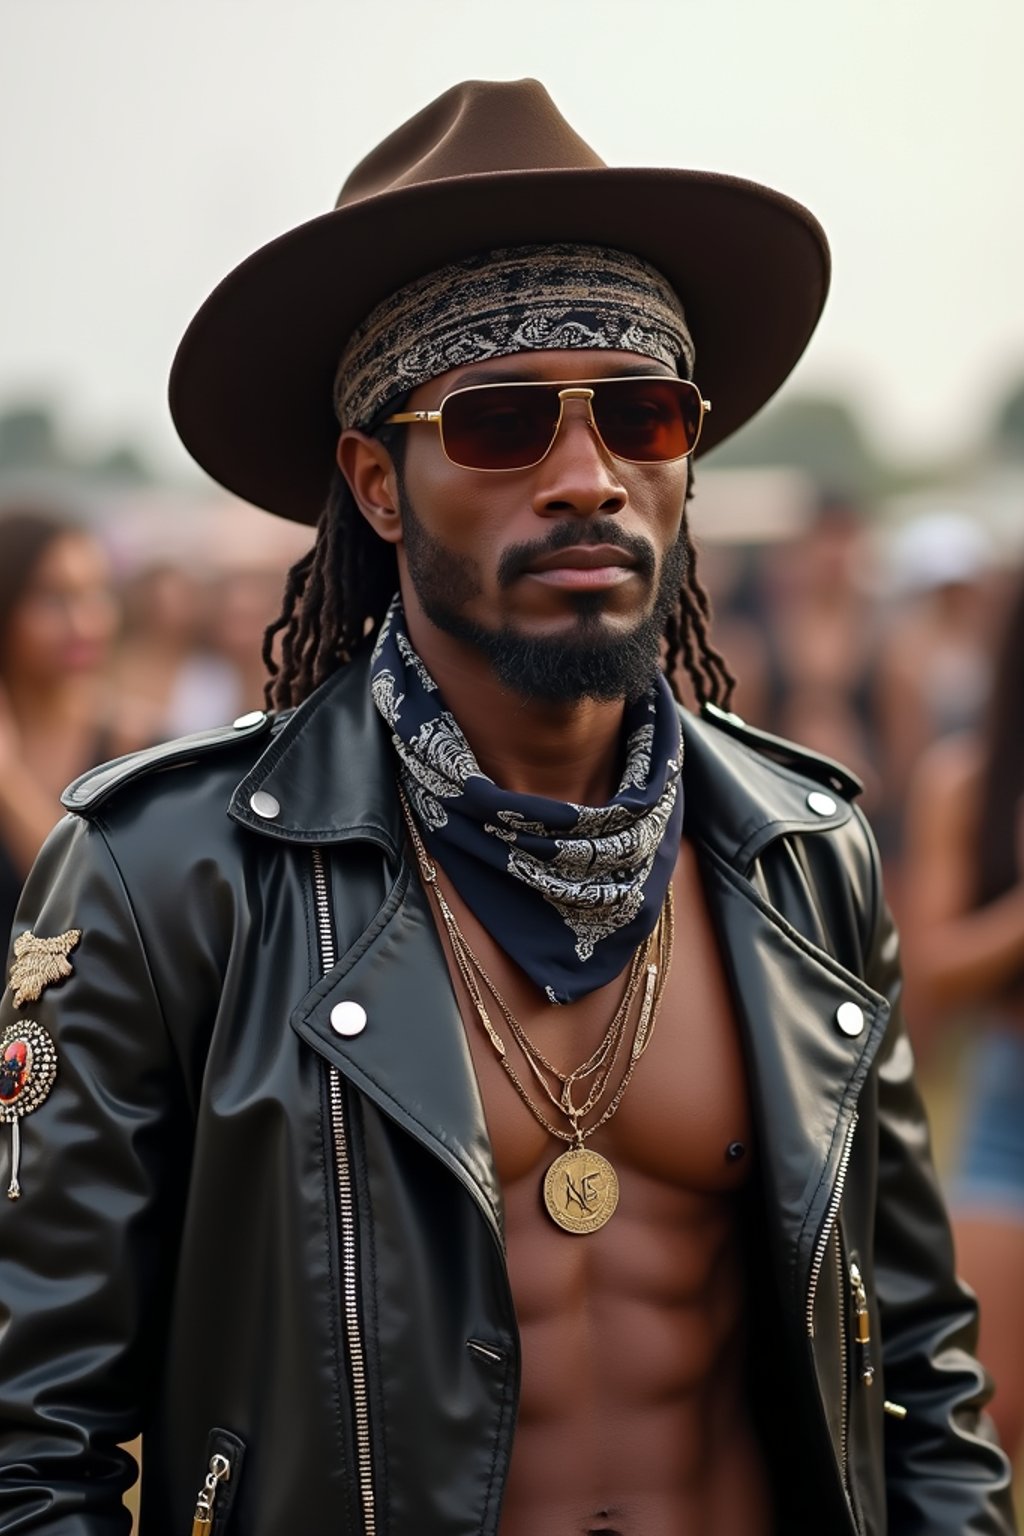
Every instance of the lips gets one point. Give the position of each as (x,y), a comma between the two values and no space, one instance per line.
(580,557)
(583,568)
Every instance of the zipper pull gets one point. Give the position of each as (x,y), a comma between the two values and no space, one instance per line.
(860,1303)
(220,1471)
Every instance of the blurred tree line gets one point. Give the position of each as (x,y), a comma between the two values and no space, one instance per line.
(823,436)
(32,442)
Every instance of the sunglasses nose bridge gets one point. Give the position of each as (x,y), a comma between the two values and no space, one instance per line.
(575,392)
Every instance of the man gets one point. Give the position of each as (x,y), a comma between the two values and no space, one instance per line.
(424,1123)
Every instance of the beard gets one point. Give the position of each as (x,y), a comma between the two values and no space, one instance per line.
(586,663)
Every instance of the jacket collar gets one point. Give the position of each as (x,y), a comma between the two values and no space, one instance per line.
(329,772)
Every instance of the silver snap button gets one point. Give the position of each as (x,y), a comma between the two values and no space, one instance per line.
(254,717)
(264,805)
(850,1018)
(821,804)
(348,1018)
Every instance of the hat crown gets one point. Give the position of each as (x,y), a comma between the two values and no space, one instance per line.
(489,164)
(479,127)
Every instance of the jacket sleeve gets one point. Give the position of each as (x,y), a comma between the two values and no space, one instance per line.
(945,1474)
(87,1251)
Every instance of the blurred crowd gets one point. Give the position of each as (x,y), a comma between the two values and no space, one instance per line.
(119,633)
(897,648)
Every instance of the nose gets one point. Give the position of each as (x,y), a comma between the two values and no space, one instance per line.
(578,476)
(91,614)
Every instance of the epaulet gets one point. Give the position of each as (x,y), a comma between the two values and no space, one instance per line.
(91,789)
(812,764)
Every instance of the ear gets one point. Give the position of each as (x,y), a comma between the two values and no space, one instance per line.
(367,466)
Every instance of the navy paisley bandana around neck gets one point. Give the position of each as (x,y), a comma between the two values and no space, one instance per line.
(568,891)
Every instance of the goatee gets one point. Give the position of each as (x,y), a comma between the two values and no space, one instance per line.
(587,663)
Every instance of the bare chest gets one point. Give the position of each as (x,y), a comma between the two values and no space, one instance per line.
(682,1121)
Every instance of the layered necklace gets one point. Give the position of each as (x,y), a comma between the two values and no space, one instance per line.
(581,1187)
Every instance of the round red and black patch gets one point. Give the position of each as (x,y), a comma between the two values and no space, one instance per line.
(28,1066)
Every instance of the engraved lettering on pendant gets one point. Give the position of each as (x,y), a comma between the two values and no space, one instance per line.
(39,963)
(581,1190)
(583,1194)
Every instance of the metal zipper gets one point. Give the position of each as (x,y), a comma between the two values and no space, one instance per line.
(347,1222)
(206,1499)
(821,1245)
(860,1306)
(817,1263)
(324,926)
(844,1367)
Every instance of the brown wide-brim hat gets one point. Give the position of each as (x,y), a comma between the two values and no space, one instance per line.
(488,164)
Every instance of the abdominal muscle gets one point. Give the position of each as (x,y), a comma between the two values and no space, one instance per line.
(632,1416)
(633,1413)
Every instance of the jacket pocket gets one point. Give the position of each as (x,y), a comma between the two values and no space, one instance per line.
(222,1472)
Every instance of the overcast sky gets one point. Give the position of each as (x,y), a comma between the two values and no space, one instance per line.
(146,146)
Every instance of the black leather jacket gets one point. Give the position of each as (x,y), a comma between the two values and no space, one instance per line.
(252,1237)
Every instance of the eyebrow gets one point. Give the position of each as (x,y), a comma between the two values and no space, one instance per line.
(520,373)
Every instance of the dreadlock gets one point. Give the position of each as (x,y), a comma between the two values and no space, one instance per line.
(340,590)
(688,631)
(335,595)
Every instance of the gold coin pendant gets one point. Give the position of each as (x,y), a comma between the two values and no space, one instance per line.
(581,1190)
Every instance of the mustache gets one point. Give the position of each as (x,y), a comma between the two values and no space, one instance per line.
(573,534)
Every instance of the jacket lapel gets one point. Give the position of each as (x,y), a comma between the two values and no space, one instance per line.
(805,1074)
(330,771)
(412,1057)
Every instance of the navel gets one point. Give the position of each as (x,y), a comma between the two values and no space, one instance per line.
(598,1525)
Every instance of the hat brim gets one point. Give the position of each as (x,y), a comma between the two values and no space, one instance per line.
(252,381)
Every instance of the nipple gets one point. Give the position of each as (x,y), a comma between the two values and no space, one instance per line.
(735,1150)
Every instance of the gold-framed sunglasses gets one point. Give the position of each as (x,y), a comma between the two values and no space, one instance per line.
(645,420)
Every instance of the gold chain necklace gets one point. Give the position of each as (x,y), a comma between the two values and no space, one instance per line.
(581,1188)
(598,1065)
(603,1059)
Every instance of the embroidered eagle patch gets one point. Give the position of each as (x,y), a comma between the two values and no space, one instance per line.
(38,963)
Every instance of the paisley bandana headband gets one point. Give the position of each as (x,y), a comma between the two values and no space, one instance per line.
(568,891)
(527,298)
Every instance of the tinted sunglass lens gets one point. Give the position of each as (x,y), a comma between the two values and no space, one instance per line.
(649,421)
(492,427)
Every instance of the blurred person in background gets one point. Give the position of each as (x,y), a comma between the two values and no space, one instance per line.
(963,931)
(730,574)
(198,589)
(819,680)
(167,679)
(243,601)
(58,617)
(936,652)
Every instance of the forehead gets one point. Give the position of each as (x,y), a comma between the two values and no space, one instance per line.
(567,366)
(72,556)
